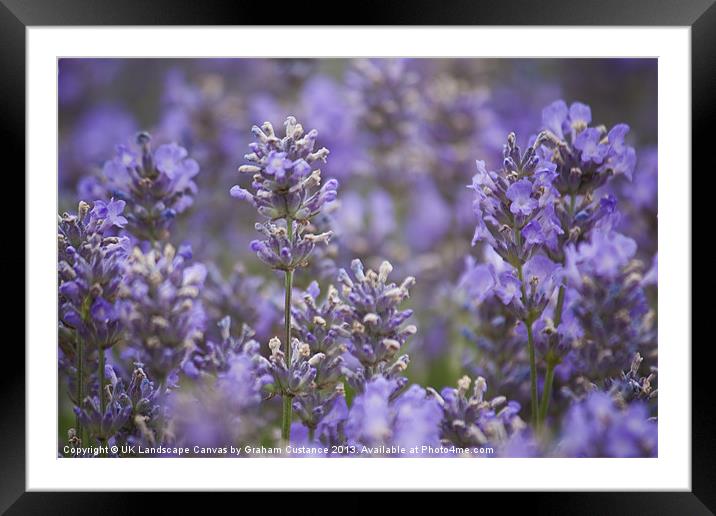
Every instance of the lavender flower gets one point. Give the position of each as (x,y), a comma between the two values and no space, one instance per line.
(104,419)
(376,322)
(248,300)
(90,266)
(499,354)
(286,187)
(156,185)
(473,421)
(162,311)
(597,427)
(323,329)
(380,421)
(384,91)
(284,250)
(516,217)
(297,374)
(223,410)
(639,206)
(145,401)
(90,262)
(625,388)
(210,358)
(609,303)
(585,159)
(515,206)
(284,179)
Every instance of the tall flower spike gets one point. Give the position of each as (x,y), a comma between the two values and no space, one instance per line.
(287,186)
(90,264)
(515,210)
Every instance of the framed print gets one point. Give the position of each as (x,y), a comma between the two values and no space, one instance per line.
(433,251)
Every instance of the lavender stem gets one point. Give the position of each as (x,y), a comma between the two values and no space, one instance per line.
(286,423)
(534,402)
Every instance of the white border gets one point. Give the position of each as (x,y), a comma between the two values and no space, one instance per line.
(670,471)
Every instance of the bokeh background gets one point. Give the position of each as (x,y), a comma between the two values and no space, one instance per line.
(403,135)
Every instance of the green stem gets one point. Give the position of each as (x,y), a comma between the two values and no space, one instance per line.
(534,401)
(80,387)
(547,392)
(100,372)
(286,423)
(560,306)
(102,401)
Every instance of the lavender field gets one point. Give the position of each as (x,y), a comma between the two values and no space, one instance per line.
(357,258)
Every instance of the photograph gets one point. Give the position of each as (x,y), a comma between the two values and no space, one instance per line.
(389,257)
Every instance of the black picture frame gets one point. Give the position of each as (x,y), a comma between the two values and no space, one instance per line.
(700,15)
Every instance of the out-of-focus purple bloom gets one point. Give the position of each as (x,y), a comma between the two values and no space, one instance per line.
(377,419)
(554,117)
(597,427)
(638,202)
(93,137)
(223,411)
(248,301)
(203,114)
(652,275)
(478,280)
(384,94)
(364,223)
(156,186)
(326,105)
(429,219)
(210,357)
(456,120)
(162,312)
(385,97)
(605,255)
(607,298)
